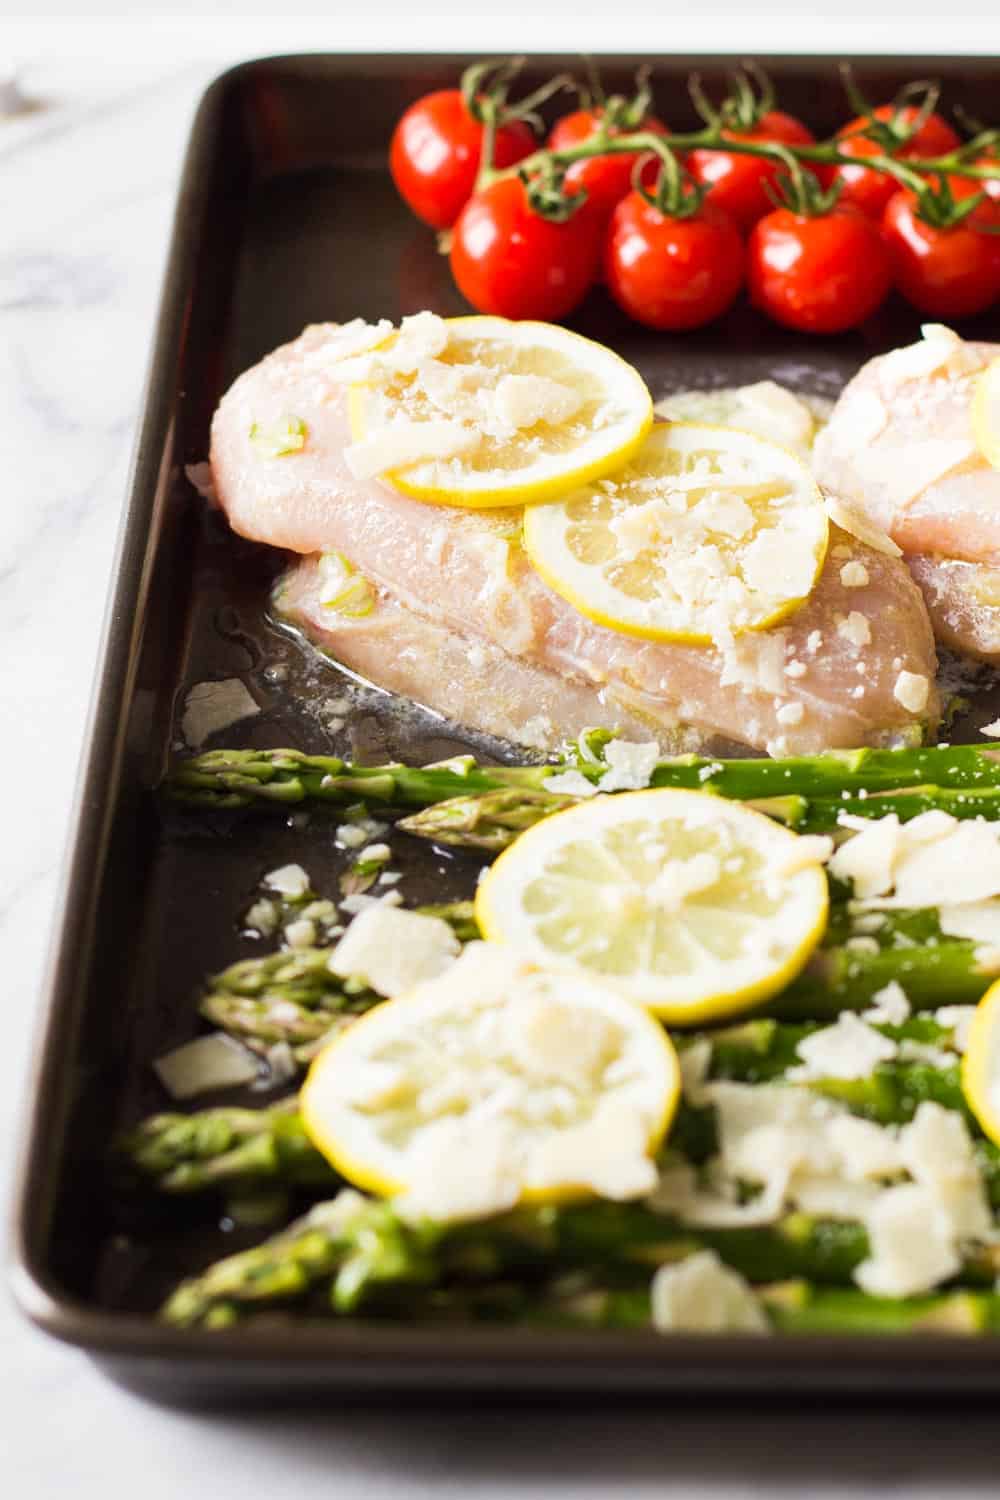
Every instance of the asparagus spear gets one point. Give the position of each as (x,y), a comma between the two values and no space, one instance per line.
(345,1254)
(844,978)
(237,778)
(240,778)
(226,1148)
(491,820)
(796,1307)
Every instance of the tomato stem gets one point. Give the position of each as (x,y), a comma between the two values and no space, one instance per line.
(724,129)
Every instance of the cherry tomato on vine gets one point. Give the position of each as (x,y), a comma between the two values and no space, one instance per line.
(509,261)
(435,152)
(988,185)
(606,179)
(950,271)
(671,271)
(870,190)
(820,273)
(739,183)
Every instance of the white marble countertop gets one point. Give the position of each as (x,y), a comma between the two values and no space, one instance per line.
(86,180)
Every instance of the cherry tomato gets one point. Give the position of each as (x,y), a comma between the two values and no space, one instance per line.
(435,150)
(670,272)
(822,273)
(952,272)
(988,185)
(868,190)
(606,179)
(739,183)
(509,261)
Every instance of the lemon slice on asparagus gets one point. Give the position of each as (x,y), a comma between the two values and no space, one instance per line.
(494,1083)
(482,412)
(693,906)
(981,1063)
(707,533)
(986,413)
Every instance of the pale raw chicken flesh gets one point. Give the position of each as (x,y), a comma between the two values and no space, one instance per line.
(901,448)
(457,582)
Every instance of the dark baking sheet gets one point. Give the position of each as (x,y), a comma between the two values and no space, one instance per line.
(287,216)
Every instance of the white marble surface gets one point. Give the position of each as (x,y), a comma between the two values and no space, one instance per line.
(86,185)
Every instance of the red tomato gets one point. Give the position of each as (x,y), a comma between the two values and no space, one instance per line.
(870,191)
(435,150)
(821,274)
(739,183)
(509,261)
(950,273)
(672,272)
(606,179)
(989,185)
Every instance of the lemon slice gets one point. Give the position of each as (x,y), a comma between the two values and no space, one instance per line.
(693,906)
(981,1063)
(766,408)
(484,412)
(986,413)
(494,1083)
(707,533)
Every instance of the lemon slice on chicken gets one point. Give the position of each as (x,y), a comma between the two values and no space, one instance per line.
(693,906)
(494,1083)
(707,533)
(483,412)
(986,413)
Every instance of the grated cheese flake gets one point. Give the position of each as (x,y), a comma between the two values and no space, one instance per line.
(850,1048)
(702,1295)
(911,1244)
(854,575)
(911,690)
(393,950)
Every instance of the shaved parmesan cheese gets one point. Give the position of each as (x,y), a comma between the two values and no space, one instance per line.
(606,1154)
(991,730)
(866,1150)
(850,1048)
(912,1247)
(399,444)
(979,921)
(349,340)
(938,1152)
(911,690)
(857,630)
(868,860)
(857,525)
(960,1018)
(830,1197)
(522,400)
(701,1295)
(631,765)
(809,849)
(461,1170)
(790,713)
(300,934)
(890,1008)
(854,575)
(571,784)
(290,880)
(962,867)
(209,1062)
(393,950)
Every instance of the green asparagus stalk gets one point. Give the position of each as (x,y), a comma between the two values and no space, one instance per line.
(344,1256)
(795,1307)
(846,978)
(225,1148)
(492,820)
(239,778)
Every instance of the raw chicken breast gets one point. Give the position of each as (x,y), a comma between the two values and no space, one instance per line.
(900,447)
(828,677)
